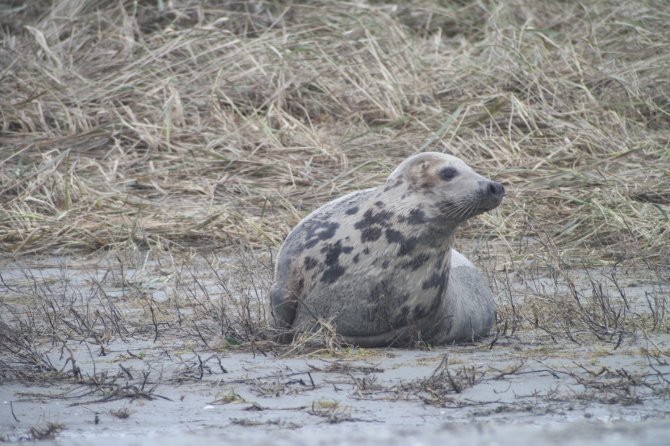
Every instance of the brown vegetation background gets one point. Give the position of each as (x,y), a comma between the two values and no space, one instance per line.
(177,124)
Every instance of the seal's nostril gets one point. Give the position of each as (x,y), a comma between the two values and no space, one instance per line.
(496,189)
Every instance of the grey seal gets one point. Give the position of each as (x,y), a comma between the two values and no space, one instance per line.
(378,264)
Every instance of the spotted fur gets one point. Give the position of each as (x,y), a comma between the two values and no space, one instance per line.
(379,265)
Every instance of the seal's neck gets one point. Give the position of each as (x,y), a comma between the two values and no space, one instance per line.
(422,218)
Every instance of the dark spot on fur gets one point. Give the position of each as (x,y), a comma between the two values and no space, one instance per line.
(332,259)
(372,223)
(333,251)
(380,218)
(416,262)
(371,234)
(310,263)
(332,254)
(379,204)
(393,236)
(332,274)
(321,230)
(329,231)
(434,281)
(407,246)
(385,264)
(352,211)
(416,217)
(366,250)
(356,258)
(301,285)
(435,304)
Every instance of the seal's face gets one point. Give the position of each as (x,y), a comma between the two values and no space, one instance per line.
(453,189)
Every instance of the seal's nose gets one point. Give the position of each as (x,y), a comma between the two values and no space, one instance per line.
(496,189)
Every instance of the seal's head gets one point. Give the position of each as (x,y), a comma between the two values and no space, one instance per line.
(452,190)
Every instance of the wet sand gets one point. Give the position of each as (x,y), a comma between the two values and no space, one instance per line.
(517,389)
(391,394)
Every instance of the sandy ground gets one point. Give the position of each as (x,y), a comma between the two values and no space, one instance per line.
(517,392)
(522,389)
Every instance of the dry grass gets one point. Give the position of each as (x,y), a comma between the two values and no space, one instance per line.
(218,124)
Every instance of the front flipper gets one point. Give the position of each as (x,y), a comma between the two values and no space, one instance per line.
(285,295)
(283,308)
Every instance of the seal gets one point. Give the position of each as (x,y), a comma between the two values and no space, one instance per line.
(379,266)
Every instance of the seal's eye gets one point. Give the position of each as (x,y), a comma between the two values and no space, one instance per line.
(448,173)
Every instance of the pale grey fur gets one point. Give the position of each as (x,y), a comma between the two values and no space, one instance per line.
(375,263)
